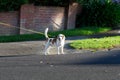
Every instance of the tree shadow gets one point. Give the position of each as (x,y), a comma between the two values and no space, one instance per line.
(112,58)
(109,58)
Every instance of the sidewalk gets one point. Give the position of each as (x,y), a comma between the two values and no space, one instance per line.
(37,47)
(28,48)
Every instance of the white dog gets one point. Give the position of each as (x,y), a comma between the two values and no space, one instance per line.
(59,42)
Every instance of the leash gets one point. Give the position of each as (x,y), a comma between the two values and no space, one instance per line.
(29,30)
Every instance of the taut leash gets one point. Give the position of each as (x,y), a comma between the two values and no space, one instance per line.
(29,30)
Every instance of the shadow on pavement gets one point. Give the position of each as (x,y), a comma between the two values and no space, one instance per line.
(110,58)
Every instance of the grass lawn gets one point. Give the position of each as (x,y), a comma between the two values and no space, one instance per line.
(72,32)
(100,43)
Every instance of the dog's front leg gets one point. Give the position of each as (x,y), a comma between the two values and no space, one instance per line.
(58,50)
(62,50)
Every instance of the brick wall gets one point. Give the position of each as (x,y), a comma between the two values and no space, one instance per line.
(11,18)
(38,18)
(73,10)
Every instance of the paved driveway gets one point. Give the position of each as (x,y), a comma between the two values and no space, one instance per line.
(31,47)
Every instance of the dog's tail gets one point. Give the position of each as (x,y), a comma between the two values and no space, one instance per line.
(46,31)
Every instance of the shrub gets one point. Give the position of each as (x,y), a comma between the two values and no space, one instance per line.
(11,5)
(99,13)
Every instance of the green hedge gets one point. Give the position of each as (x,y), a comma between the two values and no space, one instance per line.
(97,13)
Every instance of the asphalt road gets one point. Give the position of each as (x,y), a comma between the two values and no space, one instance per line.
(101,65)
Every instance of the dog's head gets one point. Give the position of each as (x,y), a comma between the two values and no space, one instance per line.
(61,37)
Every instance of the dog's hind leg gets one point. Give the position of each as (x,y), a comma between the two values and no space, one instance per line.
(46,49)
